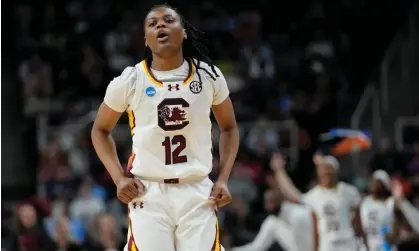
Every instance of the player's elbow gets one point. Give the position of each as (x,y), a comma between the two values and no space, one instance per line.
(98,132)
(230,127)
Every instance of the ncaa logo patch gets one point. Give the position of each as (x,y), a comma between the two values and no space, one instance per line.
(150,91)
(195,87)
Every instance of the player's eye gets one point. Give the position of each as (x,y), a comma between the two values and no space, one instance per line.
(152,23)
(169,20)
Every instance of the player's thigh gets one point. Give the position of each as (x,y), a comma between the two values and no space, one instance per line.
(150,228)
(199,230)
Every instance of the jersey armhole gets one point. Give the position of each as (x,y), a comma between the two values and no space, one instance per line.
(137,91)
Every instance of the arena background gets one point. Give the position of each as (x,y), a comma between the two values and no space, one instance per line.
(295,69)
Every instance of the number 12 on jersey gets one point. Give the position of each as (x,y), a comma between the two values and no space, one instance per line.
(173,146)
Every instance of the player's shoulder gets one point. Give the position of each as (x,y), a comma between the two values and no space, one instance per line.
(127,78)
(130,73)
(366,200)
(210,71)
(315,190)
(348,188)
(311,195)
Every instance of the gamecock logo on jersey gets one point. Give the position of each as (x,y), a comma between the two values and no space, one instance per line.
(329,209)
(373,215)
(172,114)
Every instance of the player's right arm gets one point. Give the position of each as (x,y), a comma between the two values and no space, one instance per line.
(315,231)
(115,102)
(285,184)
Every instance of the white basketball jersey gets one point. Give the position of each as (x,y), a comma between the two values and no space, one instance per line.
(333,208)
(375,214)
(300,221)
(169,115)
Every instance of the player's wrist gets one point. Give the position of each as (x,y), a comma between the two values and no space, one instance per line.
(117,177)
(279,171)
(222,179)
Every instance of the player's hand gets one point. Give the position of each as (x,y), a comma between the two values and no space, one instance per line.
(277,162)
(317,158)
(397,190)
(220,194)
(129,189)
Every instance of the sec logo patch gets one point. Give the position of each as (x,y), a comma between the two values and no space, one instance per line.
(195,87)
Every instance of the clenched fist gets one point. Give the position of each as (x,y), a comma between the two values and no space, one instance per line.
(129,189)
(220,194)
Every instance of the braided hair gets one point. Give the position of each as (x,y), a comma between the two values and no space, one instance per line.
(194,47)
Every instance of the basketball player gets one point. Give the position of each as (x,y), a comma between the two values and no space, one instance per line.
(333,202)
(169,97)
(294,228)
(377,210)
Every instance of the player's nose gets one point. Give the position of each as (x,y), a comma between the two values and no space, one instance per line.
(160,25)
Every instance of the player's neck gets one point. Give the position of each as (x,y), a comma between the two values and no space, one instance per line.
(378,197)
(167,64)
(332,185)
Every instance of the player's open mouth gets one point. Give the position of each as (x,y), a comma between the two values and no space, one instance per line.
(162,37)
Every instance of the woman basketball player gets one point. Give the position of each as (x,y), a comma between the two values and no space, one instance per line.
(169,97)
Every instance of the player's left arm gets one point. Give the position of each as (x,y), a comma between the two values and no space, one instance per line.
(229,137)
(357,226)
(315,231)
(222,108)
(355,202)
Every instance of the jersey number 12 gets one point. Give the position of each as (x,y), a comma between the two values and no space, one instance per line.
(178,142)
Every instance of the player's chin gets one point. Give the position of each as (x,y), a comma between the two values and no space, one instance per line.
(166,49)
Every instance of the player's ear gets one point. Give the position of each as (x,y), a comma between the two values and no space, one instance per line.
(185,36)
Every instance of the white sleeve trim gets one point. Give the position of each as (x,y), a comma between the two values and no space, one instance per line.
(220,88)
(119,92)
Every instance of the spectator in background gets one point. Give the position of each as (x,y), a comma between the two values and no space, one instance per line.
(51,156)
(105,234)
(60,218)
(263,137)
(241,182)
(35,75)
(235,220)
(63,237)
(413,164)
(117,45)
(62,184)
(273,230)
(30,235)
(255,56)
(387,158)
(86,205)
(320,46)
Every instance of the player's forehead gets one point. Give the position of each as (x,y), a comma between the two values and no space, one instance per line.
(327,167)
(161,12)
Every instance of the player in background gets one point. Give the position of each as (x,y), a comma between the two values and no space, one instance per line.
(407,216)
(169,97)
(294,227)
(335,203)
(377,211)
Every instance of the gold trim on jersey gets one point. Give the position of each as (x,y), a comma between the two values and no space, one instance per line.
(131,121)
(132,246)
(159,83)
(216,245)
(191,72)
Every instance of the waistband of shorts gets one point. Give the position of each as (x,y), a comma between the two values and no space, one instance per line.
(190,179)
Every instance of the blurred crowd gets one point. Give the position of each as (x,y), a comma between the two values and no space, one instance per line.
(69,52)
